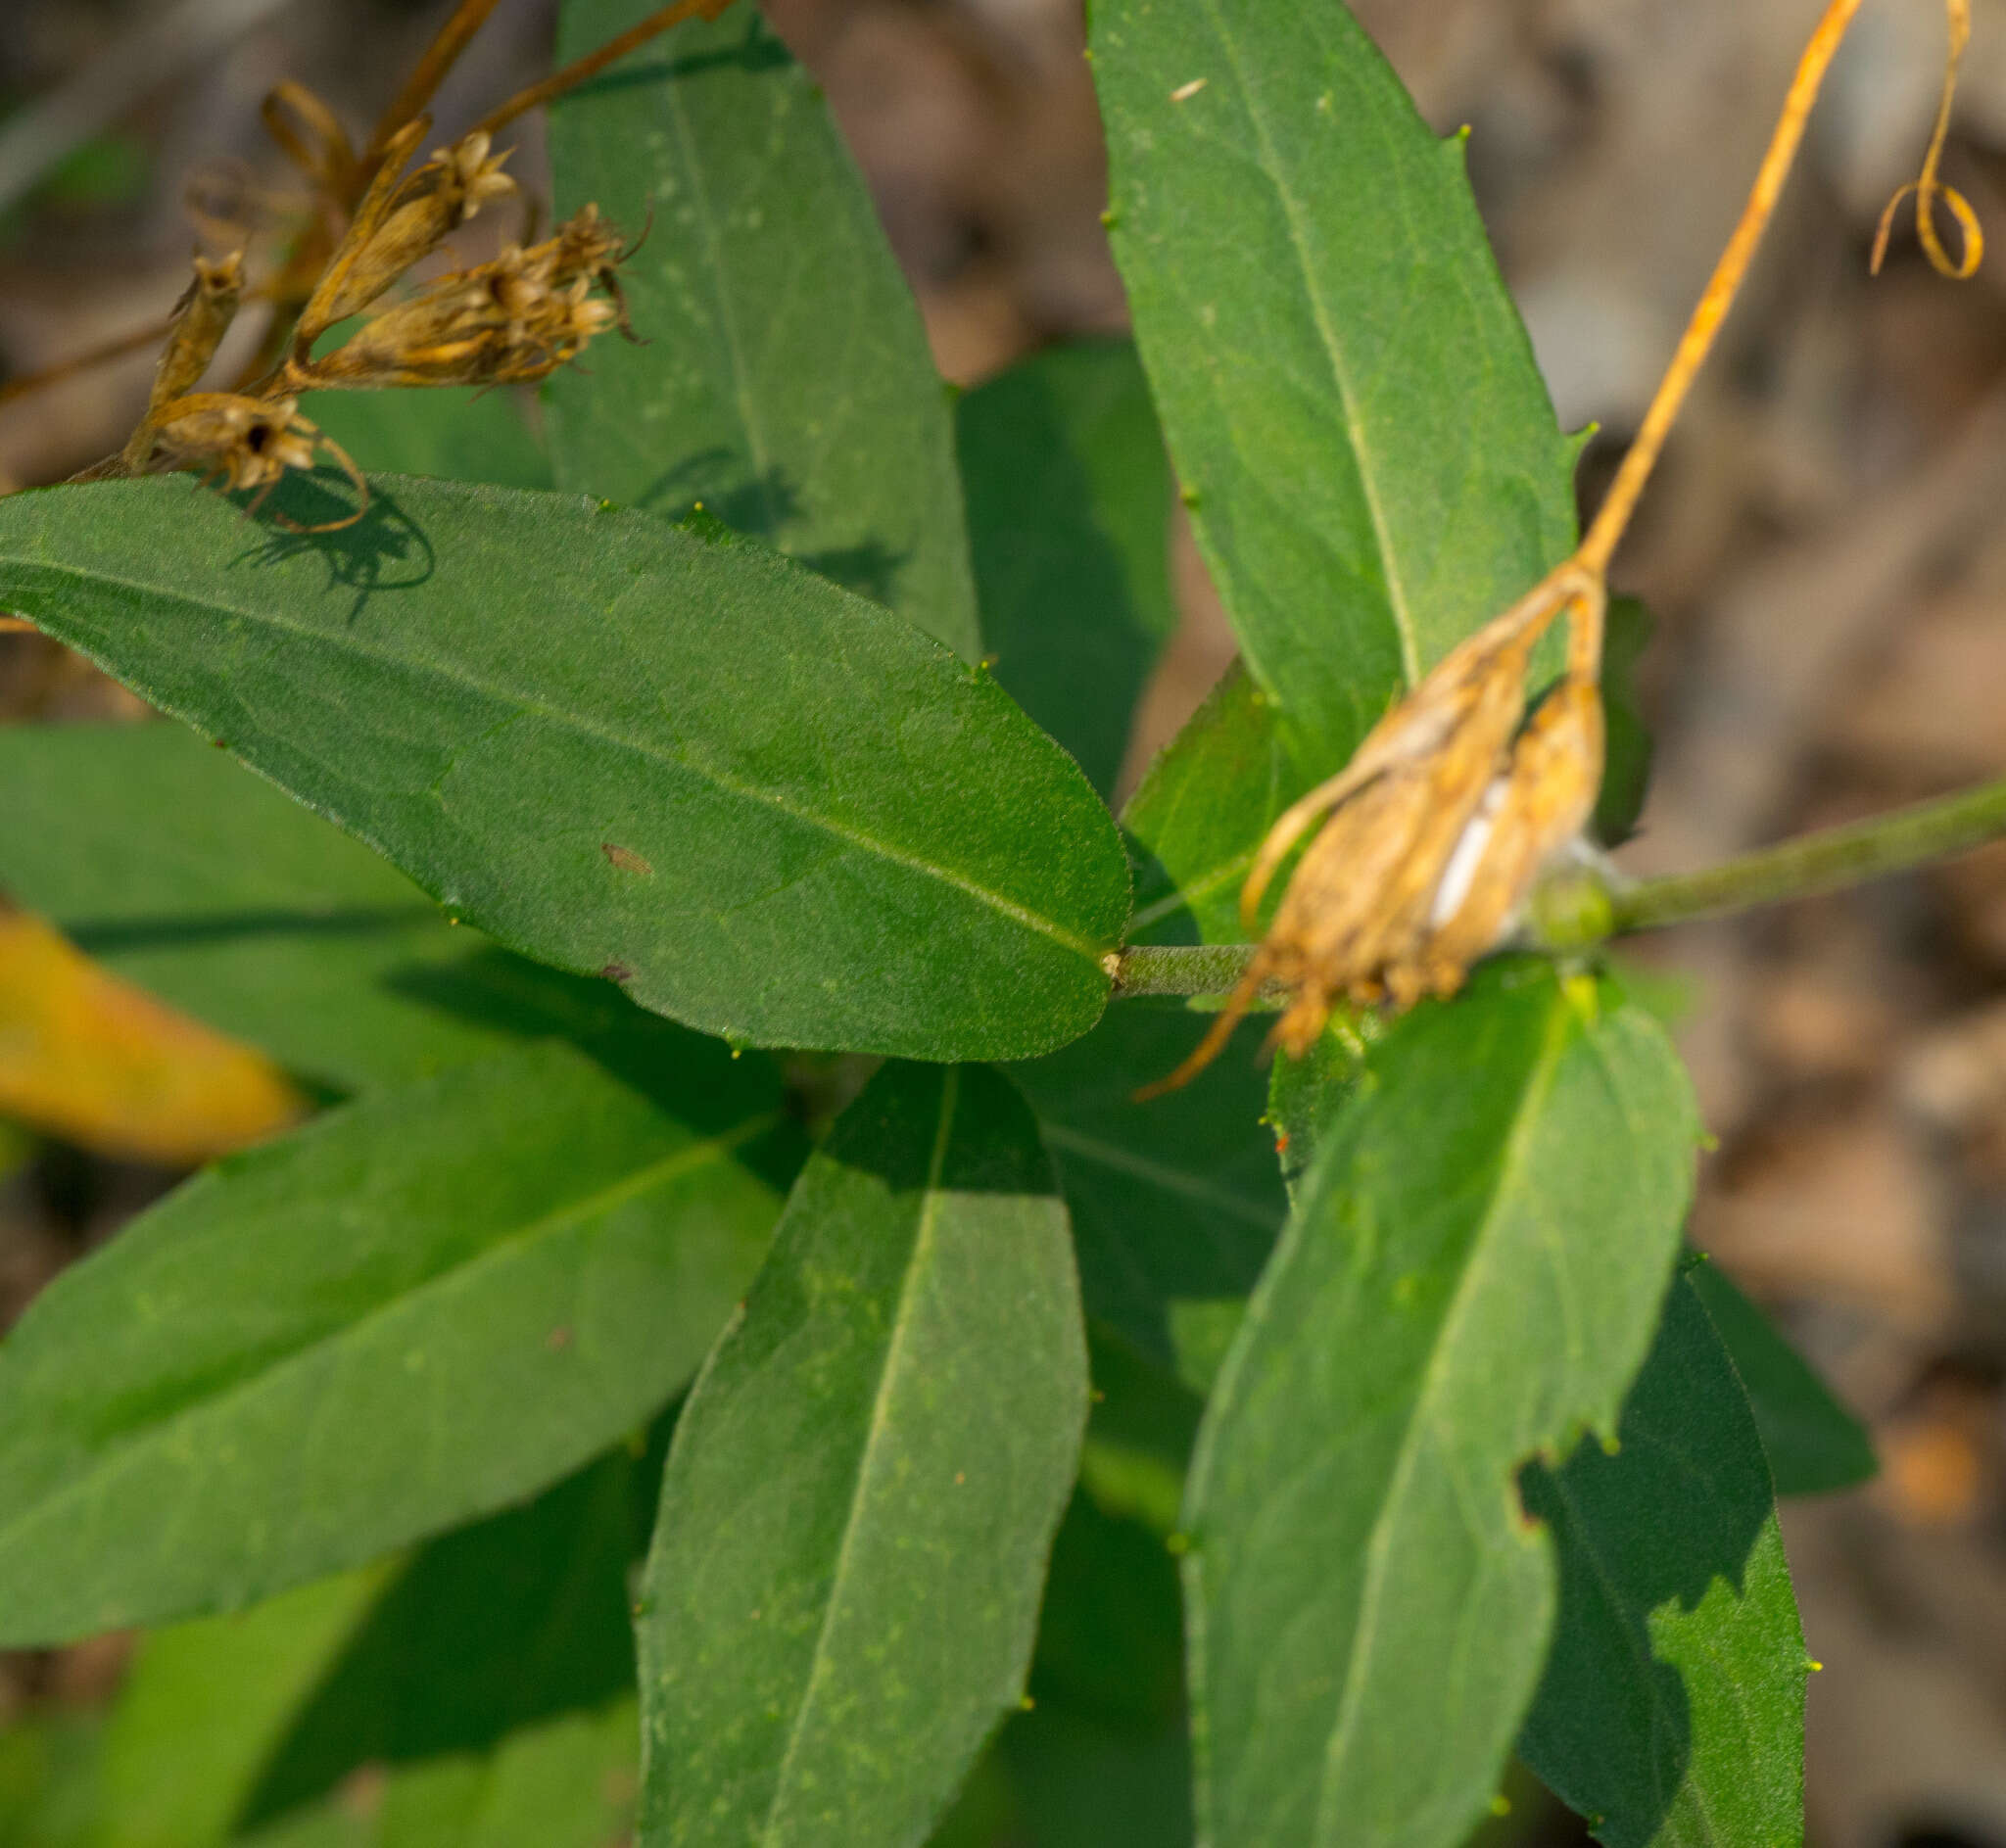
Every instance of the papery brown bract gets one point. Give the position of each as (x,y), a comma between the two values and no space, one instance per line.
(1526,819)
(1364,919)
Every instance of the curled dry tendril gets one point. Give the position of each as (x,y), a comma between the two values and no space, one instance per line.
(1928,188)
(1427,845)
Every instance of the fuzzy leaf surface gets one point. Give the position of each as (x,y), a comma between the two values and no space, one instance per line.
(825,1646)
(1069,500)
(787,384)
(1472,1273)
(413,1310)
(1351,402)
(774,810)
(181,872)
(1672,1711)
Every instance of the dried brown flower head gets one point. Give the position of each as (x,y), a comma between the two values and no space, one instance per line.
(202,317)
(586,245)
(399,222)
(1528,818)
(510,321)
(247,443)
(1436,830)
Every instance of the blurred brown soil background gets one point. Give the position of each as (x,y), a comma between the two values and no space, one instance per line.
(1824,551)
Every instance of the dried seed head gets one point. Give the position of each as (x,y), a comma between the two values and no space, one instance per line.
(1436,830)
(248,443)
(1526,819)
(397,225)
(201,317)
(509,321)
(584,244)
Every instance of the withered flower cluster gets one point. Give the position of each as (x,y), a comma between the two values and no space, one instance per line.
(509,321)
(1435,830)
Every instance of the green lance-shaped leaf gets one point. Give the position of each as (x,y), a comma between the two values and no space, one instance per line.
(184,872)
(567,1782)
(1068,499)
(770,809)
(453,434)
(448,1658)
(787,385)
(840,1600)
(484,1632)
(1351,402)
(413,1310)
(1176,1202)
(1472,1273)
(1813,1443)
(1672,1711)
(205,1703)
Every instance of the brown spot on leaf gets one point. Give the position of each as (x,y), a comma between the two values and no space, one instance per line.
(617,972)
(625,859)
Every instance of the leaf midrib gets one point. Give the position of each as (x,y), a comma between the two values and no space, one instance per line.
(100,1463)
(1171,1180)
(889,1377)
(702,772)
(1361,450)
(1378,1546)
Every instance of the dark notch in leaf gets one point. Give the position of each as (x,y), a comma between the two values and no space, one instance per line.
(1472,1273)
(1672,1709)
(787,386)
(861,844)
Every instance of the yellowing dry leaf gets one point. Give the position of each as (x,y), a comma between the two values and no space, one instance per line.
(102,1063)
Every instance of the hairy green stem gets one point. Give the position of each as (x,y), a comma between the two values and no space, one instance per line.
(1580,909)
(1823,862)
